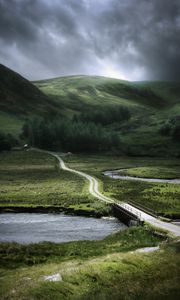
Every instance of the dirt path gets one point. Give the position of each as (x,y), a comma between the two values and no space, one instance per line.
(93,183)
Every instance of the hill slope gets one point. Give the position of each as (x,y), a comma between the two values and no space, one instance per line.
(20,99)
(152,106)
(76,92)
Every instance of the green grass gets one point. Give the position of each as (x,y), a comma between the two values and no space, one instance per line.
(14,255)
(92,269)
(34,179)
(153,172)
(97,163)
(160,197)
(96,90)
(129,276)
(29,178)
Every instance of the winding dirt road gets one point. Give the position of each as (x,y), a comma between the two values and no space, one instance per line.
(93,183)
(94,191)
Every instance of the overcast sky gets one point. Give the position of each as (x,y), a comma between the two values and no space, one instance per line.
(128,39)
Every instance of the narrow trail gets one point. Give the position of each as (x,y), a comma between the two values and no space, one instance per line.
(94,191)
(93,183)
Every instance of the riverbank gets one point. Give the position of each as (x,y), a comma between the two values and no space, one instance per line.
(73,210)
(93,269)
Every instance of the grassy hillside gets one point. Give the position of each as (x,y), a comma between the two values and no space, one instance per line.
(152,105)
(95,90)
(77,92)
(153,128)
(20,99)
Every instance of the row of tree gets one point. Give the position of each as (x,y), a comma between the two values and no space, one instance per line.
(105,115)
(70,135)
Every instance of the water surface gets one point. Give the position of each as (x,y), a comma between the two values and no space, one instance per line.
(28,228)
(117,175)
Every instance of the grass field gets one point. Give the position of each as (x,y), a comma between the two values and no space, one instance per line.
(159,172)
(29,178)
(34,179)
(92,269)
(160,197)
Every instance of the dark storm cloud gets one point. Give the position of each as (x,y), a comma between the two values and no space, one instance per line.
(137,39)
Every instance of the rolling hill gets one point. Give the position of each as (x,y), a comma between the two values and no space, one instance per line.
(20,99)
(152,106)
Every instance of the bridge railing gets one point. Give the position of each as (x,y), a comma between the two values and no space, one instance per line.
(132,210)
(144,208)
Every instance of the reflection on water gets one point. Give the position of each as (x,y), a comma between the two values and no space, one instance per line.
(28,228)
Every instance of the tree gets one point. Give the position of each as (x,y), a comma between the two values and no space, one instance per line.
(4,142)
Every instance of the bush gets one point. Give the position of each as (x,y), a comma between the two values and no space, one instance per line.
(165,129)
(172,128)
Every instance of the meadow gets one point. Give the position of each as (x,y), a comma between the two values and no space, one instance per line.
(160,172)
(162,198)
(32,179)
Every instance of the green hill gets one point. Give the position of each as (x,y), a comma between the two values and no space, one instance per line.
(20,99)
(154,107)
(78,92)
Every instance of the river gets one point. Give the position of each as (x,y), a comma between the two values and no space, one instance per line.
(116,174)
(26,228)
